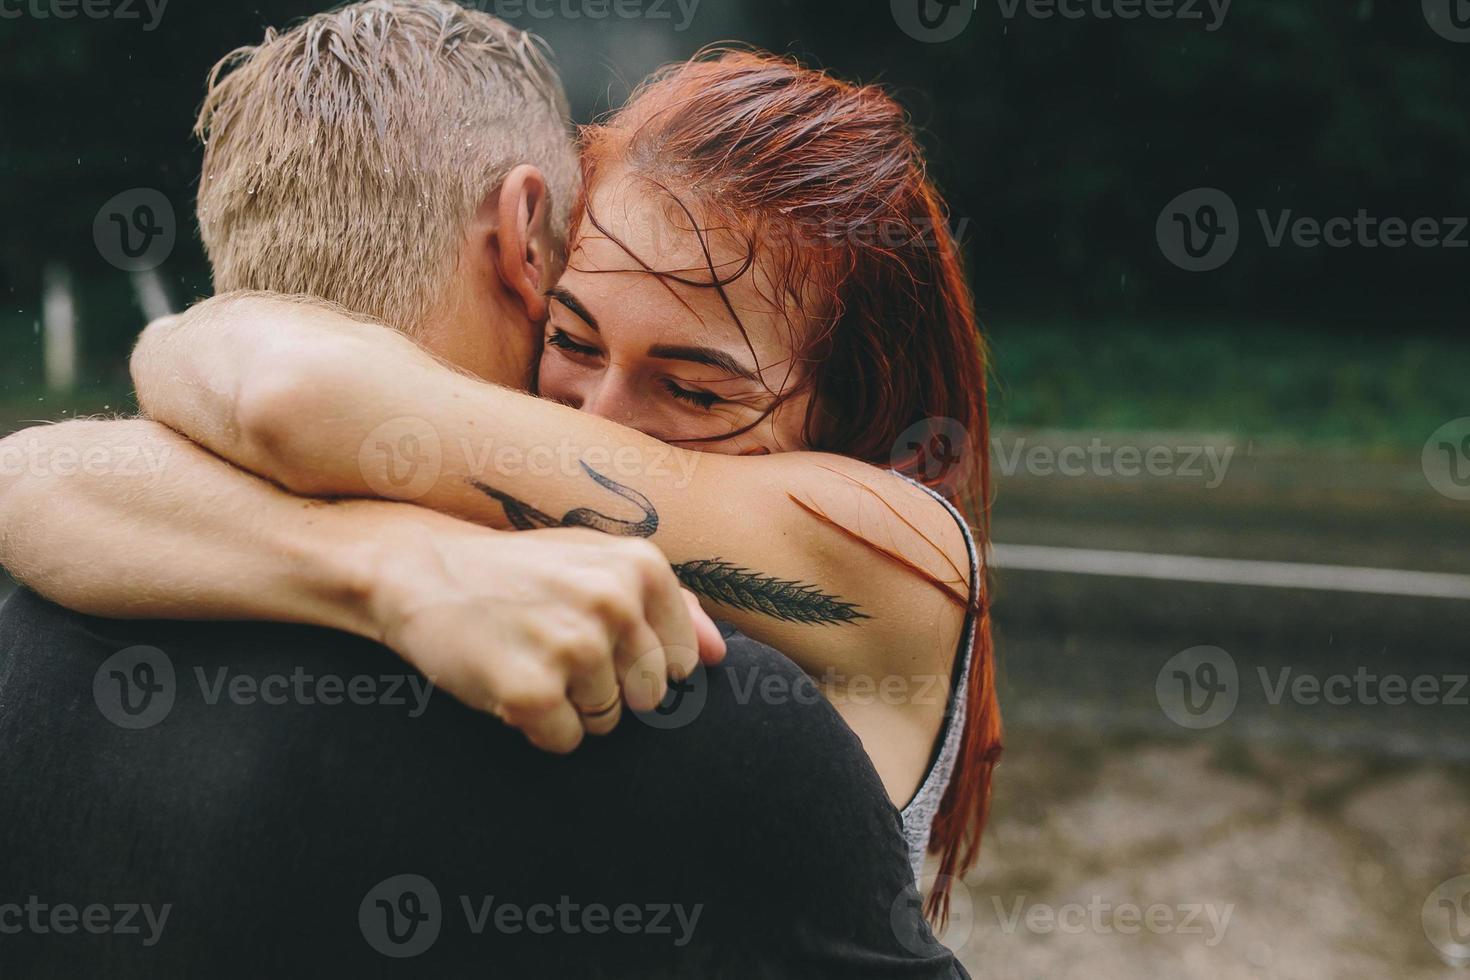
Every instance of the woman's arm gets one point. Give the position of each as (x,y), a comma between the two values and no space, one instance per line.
(128,519)
(783,545)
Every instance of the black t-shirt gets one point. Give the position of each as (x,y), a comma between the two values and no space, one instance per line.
(247,800)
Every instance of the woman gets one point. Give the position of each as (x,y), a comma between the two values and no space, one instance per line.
(759,274)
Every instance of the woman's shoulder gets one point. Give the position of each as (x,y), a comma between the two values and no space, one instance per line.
(889,510)
(896,534)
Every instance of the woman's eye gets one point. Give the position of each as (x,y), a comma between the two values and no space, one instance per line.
(561,340)
(704,399)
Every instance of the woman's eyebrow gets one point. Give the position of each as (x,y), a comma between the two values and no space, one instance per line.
(571,302)
(703,355)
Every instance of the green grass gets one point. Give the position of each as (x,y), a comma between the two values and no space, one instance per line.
(19,409)
(110,320)
(1382,392)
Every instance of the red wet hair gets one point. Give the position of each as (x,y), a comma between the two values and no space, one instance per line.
(826,180)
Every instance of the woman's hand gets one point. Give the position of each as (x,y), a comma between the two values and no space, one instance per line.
(549,630)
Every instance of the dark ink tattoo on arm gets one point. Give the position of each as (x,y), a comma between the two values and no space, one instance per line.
(714,578)
(524,517)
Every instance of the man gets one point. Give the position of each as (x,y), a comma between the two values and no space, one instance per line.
(179,799)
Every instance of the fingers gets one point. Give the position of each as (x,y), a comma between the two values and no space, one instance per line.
(583,624)
(535,700)
(597,698)
(557,729)
(669,616)
(644,666)
(711,643)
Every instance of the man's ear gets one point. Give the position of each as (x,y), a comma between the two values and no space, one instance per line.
(522,234)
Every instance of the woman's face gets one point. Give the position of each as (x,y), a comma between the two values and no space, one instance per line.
(659,356)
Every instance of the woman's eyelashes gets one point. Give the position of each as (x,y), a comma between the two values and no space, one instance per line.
(562,340)
(704,399)
(697,397)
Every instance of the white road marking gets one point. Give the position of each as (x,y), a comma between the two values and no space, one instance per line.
(1229,571)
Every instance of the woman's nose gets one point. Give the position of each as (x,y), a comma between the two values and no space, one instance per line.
(611,399)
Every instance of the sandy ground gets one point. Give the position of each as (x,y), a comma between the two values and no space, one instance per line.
(1242,862)
(1294,840)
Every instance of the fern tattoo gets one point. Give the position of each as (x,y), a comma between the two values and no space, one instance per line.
(740,588)
(714,578)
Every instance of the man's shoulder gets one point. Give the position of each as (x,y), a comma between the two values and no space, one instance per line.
(28,620)
(55,661)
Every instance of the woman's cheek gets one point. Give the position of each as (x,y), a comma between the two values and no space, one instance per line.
(785,430)
(556,379)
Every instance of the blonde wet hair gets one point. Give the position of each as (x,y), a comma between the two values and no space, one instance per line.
(344,157)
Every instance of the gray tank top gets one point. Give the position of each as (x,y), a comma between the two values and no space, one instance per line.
(919,814)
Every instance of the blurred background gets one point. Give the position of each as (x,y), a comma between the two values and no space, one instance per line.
(1222,257)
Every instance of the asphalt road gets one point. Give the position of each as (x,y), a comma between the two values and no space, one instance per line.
(1088,650)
